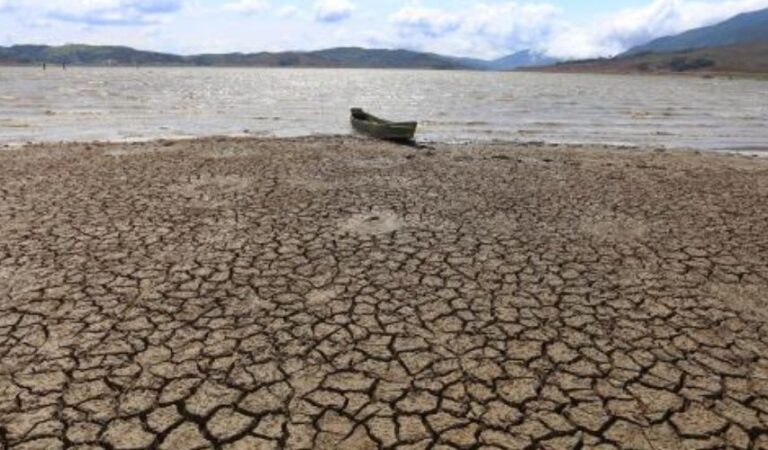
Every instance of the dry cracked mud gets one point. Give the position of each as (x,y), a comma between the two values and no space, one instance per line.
(338,293)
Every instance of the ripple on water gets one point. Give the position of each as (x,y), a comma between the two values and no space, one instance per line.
(449,105)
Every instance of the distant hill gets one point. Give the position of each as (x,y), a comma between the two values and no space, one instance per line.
(738,45)
(350,57)
(742,29)
(85,55)
(343,57)
(525,58)
(734,59)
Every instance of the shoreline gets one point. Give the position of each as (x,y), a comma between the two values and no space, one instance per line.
(553,70)
(546,70)
(750,153)
(720,76)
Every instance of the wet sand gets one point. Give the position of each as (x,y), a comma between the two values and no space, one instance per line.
(342,293)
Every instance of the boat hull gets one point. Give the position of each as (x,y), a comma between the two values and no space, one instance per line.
(378,128)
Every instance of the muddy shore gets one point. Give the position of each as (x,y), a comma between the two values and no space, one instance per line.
(341,293)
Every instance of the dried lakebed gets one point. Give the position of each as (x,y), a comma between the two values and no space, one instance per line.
(341,293)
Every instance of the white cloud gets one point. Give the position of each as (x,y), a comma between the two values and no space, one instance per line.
(99,12)
(491,30)
(481,30)
(428,21)
(333,10)
(247,6)
(288,11)
(621,31)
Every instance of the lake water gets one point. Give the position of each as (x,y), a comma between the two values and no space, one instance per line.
(135,104)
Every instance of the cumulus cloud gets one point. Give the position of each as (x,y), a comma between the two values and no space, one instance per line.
(489,30)
(480,30)
(329,11)
(100,12)
(631,27)
(288,11)
(430,22)
(247,6)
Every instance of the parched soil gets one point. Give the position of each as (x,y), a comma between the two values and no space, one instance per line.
(340,293)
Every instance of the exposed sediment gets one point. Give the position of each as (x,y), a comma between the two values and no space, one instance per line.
(341,293)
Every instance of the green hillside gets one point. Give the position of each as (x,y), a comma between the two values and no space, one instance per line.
(351,57)
(742,29)
(90,55)
(85,55)
(749,59)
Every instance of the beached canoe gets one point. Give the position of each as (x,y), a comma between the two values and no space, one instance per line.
(382,129)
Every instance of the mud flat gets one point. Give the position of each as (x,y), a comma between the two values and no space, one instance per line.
(341,293)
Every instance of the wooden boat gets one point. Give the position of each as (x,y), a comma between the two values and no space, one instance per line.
(380,128)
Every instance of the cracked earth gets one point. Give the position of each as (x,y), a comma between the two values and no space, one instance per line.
(338,293)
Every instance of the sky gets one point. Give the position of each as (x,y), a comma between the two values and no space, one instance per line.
(484,29)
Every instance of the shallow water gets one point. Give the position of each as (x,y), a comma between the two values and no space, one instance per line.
(135,104)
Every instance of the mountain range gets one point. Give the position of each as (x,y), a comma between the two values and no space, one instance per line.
(744,28)
(524,58)
(737,45)
(348,57)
